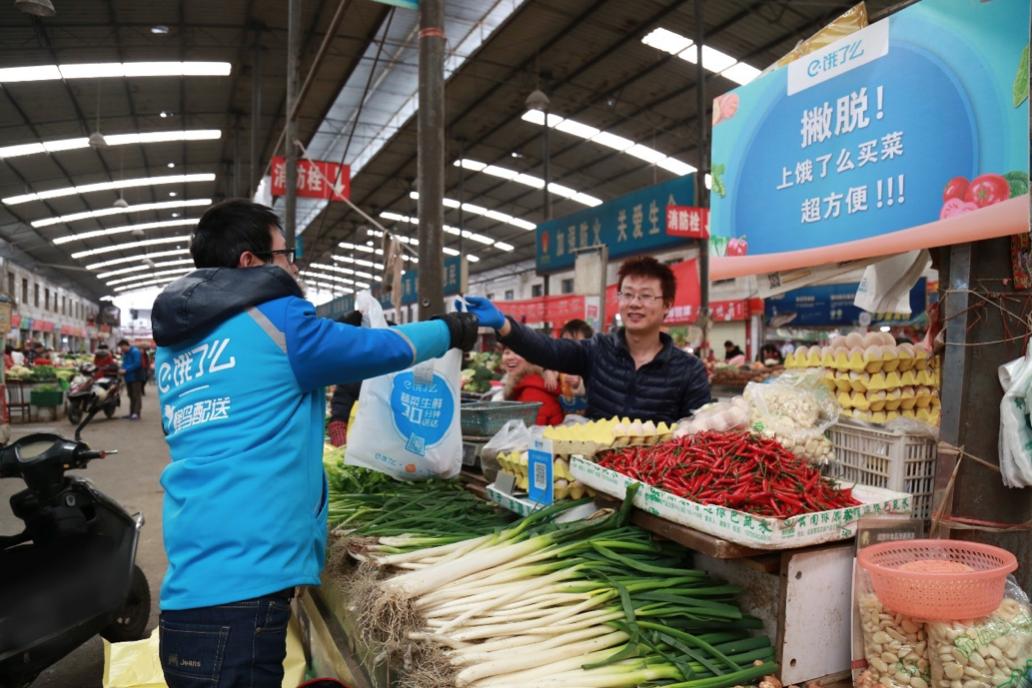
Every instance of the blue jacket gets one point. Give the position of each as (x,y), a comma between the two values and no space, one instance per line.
(240,367)
(132,363)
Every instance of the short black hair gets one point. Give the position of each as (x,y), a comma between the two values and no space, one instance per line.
(728,343)
(577,327)
(229,228)
(124,341)
(649,267)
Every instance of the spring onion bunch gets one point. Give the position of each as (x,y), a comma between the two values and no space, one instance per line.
(585,604)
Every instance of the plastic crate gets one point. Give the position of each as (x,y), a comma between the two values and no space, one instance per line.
(902,462)
(486,418)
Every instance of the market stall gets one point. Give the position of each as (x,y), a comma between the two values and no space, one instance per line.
(775,537)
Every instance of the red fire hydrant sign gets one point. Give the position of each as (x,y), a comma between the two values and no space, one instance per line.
(315,179)
(687,221)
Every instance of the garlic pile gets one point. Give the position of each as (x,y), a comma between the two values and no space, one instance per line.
(895,647)
(984,653)
(794,415)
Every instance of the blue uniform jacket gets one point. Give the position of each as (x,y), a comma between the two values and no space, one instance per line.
(241,364)
(132,363)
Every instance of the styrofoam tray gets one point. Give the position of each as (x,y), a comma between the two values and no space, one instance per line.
(759,532)
(524,506)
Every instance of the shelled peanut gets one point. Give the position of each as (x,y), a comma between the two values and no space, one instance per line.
(983,653)
(895,647)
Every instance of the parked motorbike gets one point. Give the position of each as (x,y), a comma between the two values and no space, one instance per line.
(89,394)
(71,573)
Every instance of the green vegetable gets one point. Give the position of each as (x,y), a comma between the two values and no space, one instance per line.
(1021,78)
(43,372)
(1018,182)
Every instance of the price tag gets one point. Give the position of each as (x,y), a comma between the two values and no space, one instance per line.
(539,466)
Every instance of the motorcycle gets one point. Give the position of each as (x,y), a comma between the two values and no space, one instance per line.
(89,395)
(71,573)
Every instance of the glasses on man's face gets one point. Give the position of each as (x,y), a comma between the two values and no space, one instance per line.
(287,253)
(645,298)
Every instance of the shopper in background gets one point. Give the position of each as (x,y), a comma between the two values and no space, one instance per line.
(525,382)
(145,364)
(42,357)
(18,357)
(635,372)
(241,365)
(132,369)
(8,357)
(345,395)
(771,354)
(732,350)
(34,351)
(572,393)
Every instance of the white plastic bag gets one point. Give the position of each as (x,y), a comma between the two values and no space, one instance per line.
(1015,431)
(796,409)
(407,423)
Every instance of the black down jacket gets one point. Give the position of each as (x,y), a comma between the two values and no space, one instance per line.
(666,389)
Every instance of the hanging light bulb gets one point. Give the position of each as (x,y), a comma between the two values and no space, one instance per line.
(37,8)
(97,141)
(121,203)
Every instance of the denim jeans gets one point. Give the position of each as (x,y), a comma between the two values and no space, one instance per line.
(236,645)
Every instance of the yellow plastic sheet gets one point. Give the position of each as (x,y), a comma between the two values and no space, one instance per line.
(136,664)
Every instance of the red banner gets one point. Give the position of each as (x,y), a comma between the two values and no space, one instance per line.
(687,221)
(72,331)
(551,309)
(15,320)
(42,326)
(315,179)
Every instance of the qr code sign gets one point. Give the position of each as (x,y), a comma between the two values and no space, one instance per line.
(540,476)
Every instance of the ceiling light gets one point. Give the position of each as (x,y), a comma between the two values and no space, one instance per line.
(343,271)
(104,212)
(160,282)
(537,100)
(102,70)
(667,41)
(478,210)
(164,114)
(160,273)
(504,246)
(83,236)
(109,186)
(175,214)
(171,194)
(619,143)
(330,278)
(120,203)
(159,29)
(98,140)
(454,231)
(185,239)
(171,165)
(355,261)
(520,178)
(148,265)
(713,60)
(37,8)
(139,256)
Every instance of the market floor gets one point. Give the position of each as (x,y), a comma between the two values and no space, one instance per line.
(131,478)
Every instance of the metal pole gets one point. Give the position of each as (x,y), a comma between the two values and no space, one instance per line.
(293,51)
(430,162)
(700,175)
(546,156)
(236,156)
(256,114)
(462,196)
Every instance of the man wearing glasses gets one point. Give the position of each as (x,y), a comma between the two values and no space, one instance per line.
(636,372)
(241,365)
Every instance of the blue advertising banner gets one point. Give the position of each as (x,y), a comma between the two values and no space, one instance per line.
(910,133)
(832,304)
(633,223)
(452,280)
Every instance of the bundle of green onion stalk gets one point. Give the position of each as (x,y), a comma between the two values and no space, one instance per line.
(539,604)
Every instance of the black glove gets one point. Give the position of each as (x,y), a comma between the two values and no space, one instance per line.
(463,329)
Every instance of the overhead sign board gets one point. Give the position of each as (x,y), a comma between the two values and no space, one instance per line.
(832,304)
(452,280)
(910,133)
(634,223)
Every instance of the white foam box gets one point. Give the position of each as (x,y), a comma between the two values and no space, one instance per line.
(758,532)
(524,506)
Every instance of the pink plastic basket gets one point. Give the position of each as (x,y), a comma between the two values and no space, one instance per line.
(935,596)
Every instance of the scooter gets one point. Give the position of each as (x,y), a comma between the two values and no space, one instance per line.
(89,396)
(71,574)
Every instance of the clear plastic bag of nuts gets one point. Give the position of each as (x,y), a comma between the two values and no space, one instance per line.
(895,646)
(984,653)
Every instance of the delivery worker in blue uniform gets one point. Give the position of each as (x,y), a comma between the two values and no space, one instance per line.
(241,364)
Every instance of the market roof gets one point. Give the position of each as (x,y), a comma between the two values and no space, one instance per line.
(587,56)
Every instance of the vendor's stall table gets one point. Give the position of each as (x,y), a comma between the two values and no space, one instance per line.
(18,400)
(333,645)
(803,596)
